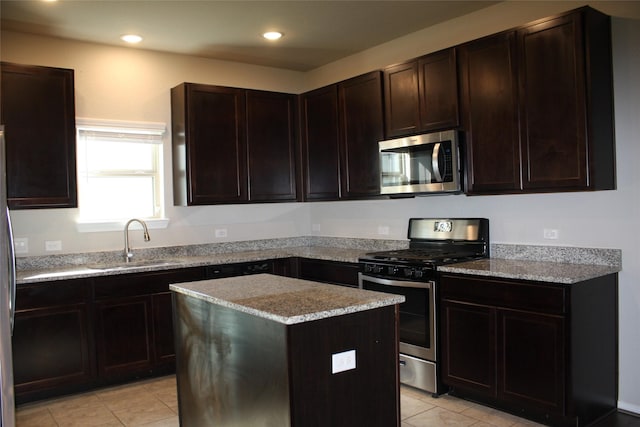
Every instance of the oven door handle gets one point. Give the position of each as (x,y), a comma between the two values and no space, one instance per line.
(396,283)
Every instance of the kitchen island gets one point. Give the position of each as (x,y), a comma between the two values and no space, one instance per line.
(266,350)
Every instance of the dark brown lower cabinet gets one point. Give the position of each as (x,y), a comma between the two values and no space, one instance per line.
(325,271)
(333,272)
(532,359)
(469,329)
(78,334)
(124,334)
(52,339)
(542,351)
(134,323)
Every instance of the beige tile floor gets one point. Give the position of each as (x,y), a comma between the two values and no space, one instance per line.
(154,403)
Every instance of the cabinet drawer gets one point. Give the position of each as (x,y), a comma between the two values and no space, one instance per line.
(521,295)
(338,273)
(52,294)
(143,283)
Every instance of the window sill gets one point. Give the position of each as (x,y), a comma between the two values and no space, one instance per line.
(98,226)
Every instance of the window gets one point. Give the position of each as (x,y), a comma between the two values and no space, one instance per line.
(119,170)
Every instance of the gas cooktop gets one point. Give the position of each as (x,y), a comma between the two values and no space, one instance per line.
(421,256)
(438,241)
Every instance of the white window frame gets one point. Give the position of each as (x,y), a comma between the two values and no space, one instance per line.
(155,133)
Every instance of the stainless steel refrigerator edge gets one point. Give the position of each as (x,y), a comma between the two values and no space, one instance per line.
(7,298)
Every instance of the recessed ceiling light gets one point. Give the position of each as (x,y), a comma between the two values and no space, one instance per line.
(272,35)
(131,38)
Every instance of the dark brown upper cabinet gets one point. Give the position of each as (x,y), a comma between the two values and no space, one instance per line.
(361,127)
(341,126)
(421,95)
(38,112)
(271,142)
(209,144)
(538,107)
(232,145)
(566,103)
(320,144)
(489,101)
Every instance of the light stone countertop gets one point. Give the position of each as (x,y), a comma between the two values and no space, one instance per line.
(172,262)
(283,299)
(523,262)
(541,271)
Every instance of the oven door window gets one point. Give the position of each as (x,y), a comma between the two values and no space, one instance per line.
(414,312)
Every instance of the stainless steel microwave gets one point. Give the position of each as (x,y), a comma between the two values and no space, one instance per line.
(427,163)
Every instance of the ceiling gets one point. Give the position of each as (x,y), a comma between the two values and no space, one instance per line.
(315,32)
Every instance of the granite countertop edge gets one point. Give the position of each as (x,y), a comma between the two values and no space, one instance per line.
(538,271)
(286,291)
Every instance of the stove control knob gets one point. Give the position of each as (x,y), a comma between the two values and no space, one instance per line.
(368,268)
(418,274)
(392,270)
(408,272)
(378,268)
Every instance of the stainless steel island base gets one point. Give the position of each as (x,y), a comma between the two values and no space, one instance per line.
(231,367)
(271,351)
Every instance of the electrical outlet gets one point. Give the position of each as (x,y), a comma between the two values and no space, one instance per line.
(343,361)
(221,232)
(550,233)
(21,245)
(52,245)
(383,230)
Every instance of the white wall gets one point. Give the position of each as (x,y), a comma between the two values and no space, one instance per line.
(130,84)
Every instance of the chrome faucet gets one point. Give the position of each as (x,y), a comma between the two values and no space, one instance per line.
(127,250)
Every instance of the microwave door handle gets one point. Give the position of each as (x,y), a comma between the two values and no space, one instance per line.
(434,162)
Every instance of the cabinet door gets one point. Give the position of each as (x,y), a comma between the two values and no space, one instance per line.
(209,144)
(469,346)
(553,104)
(361,127)
(401,100)
(490,114)
(38,112)
(123,336)
(163,328)
(438,86)
(52,340)
(320,144)
(50,349)
(532,359)
(421,95)
(271,129)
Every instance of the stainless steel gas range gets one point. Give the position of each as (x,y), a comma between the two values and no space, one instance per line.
(413,273)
